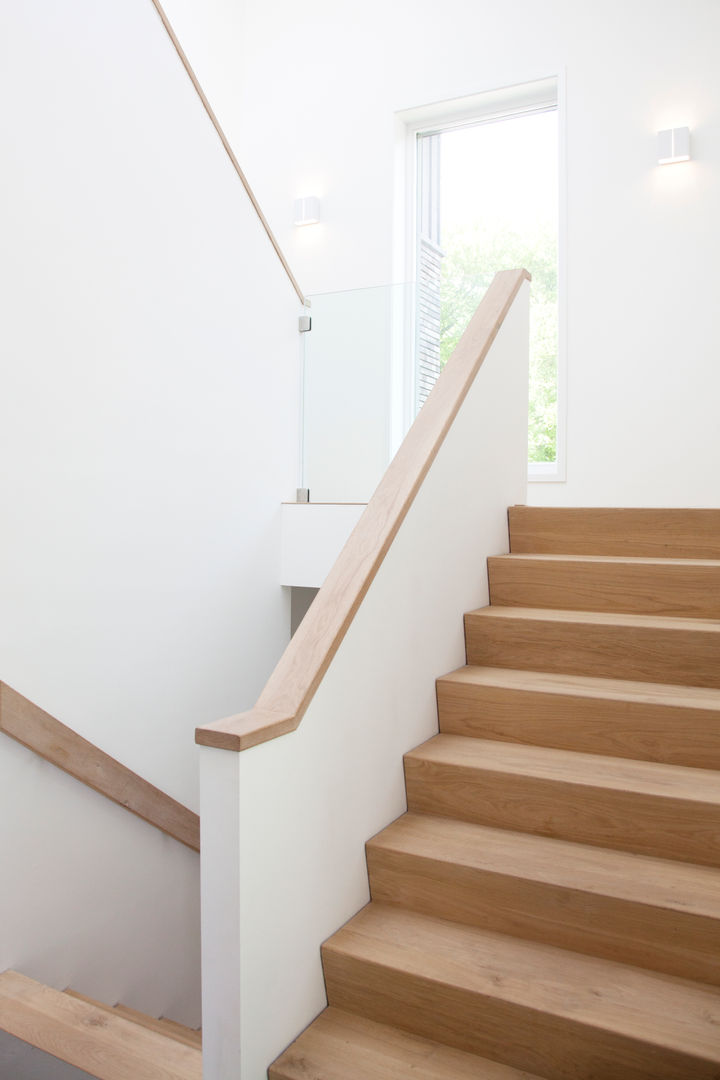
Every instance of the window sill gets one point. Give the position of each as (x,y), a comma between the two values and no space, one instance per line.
(545,472)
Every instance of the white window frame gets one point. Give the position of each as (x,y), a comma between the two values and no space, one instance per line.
(538,95)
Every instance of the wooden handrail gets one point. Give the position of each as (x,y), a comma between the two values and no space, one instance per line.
(294,681)
(228,148)
(63,747)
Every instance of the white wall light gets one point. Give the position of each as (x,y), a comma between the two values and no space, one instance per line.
(673,145)
(307,210)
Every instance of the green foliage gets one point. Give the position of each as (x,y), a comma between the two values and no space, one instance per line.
(472,258)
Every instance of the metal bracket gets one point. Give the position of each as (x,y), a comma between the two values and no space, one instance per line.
(304,323)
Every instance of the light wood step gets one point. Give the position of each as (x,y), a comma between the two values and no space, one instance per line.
(644,648)
(689,588)
(679,725)
(173,1030)
(651,533)
(630,908)
(342,1046)
(191,1037)
(558,1014)
(90,1036)
(666,811)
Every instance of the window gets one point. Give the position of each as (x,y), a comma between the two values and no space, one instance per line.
(487,199)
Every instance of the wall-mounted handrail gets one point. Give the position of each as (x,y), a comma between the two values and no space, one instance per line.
(63,747)
(228,149)
(297,676)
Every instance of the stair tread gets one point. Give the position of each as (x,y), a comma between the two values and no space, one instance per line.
(91,1036)
(343,1046)
(697,697)
(660,1010)
(682,887)
(573,767)
(598,618)
(630,560)
(190,1036)
(171,1028)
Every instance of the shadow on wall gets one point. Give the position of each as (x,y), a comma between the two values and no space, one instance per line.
(300,601)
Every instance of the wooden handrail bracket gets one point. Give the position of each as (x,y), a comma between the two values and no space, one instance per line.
(294,681)
(63,747)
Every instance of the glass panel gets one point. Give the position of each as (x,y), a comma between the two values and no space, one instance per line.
(498,201)
(353,390)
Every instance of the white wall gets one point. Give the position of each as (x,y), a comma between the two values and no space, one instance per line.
(312,537)
(148,433)
(93,897)
(313,114)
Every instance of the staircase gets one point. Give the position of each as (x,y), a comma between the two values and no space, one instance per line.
(549,906)
(106,1042)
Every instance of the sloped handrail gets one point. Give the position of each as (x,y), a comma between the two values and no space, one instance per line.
(227,147)
(61,746)
(291,687)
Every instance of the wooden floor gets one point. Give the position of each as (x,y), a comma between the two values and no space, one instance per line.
(549,907)
(110,1043)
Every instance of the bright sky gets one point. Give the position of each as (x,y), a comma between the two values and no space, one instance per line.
(502,171)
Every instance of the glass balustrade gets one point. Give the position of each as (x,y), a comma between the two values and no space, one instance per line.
(357,367)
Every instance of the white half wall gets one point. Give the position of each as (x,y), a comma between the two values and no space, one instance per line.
(313,535)
(149,360)
(313,112)
(284,824)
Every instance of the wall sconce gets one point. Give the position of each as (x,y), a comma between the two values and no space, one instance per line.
(673,145)
(307,211)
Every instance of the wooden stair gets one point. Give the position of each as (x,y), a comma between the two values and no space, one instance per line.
(346,1046)
(549,907)
(107,1042)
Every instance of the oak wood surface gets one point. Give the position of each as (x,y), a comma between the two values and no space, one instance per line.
(64,748)
(343,1046)
(560,1014)
(653,533)
(107,1046)
(169,1028)
(677,725)
(649,648)
(630,908)
(295,679)
(666,811)
(681,587)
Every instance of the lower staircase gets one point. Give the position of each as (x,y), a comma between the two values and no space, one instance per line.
(107,1042)
(549,906)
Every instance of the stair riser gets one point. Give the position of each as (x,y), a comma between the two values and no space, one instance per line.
(645,533)
(681,591)
(660,939)
(647,654)
(665,827)
(552,1046)
(630,729)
